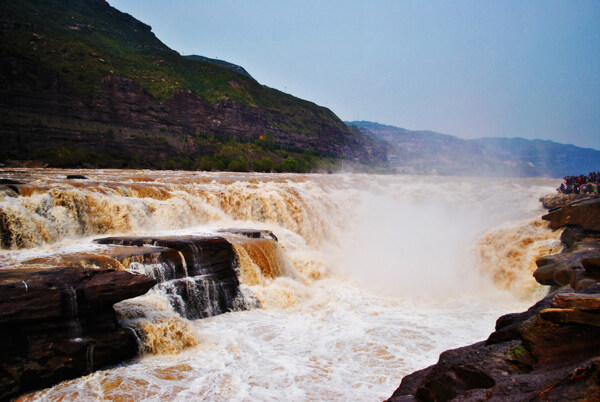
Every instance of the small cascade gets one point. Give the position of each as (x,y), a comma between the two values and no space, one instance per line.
(260,259)
(508,255)
(197,274)
(90,358)
(71,311)
(183,263)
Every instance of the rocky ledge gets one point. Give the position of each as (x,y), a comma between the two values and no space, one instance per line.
(59,323)
(550,352)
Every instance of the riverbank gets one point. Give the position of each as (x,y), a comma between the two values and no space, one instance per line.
(549,352)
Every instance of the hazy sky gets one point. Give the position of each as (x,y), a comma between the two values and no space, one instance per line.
(467,68)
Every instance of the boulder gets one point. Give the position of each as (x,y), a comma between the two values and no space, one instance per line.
(581,301)
(59,323)
(569,267)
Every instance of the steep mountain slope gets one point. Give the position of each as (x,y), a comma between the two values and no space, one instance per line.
(233,67)
(430,152)
(82,76)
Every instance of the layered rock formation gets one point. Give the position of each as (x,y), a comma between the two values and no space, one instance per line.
(549,352)
(201,281)
(59,323)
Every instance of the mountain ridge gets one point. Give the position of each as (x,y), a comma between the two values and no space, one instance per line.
(431,152)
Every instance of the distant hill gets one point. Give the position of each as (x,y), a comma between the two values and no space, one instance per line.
(82,83)
(430,152)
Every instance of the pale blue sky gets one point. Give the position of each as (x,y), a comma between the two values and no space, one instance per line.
(468,68)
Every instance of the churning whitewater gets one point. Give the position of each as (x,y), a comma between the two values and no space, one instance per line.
(370,279)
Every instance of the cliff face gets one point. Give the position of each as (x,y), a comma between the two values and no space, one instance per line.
(85,76)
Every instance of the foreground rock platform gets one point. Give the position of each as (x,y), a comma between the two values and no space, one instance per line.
(57,315)
(59,323)
(550,352)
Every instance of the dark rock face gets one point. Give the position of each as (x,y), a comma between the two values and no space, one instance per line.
(59,323)
(549,352)
(201,281)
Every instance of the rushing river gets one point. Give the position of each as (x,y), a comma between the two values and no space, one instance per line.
(379,274)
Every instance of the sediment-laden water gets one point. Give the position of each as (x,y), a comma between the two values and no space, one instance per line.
(372,277)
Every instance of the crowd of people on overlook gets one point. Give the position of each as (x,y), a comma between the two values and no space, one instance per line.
(580,184)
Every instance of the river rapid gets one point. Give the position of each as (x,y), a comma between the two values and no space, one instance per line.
(377,274)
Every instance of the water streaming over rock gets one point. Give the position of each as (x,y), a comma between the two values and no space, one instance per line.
(362,282)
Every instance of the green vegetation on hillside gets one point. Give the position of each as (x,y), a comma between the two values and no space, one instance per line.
(223,156)
(86,40)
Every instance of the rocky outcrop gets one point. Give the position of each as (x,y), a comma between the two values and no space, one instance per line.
(584,214)
(559,200)
(199,274)
(59,323)
(201,281)
(549,352)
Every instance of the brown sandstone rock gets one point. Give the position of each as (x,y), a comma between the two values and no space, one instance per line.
(570,316)
(581,301)
(559,200)
(567,268)
(585,214)
(59,323)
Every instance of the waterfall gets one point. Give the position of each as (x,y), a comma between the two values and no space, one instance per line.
(362,282)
